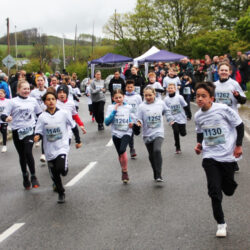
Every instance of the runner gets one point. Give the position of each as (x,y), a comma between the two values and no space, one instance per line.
(21,110)
(52,126)
(220,133)
(133,99)
(3,125)
(38,94)
(150,118)
(172,78)
(54,82)
(77,93)
(87,93)
(177,105)
(119,116)
(156,85)
(69,106)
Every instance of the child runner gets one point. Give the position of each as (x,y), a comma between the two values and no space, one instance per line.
(54,82)
(3,125)
(220,133)
(177,105)
(21,110)
(172,78)
(228,91)
(134,99)
(156,85)
(119,116)
(77,93)
(87,93)
(150,117)
(69,106)
(53,125)
(38,94)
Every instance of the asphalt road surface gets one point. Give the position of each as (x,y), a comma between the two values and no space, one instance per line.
(102,213)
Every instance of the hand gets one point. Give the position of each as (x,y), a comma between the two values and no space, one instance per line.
(235,93)
(9,119)
(117,105)
(130,125)
(171,123)
(237,151)
(138,124)
(198,148)
(78,145)
(83,129)
(36,138)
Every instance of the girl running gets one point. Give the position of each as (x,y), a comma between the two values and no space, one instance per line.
(3,125)
(53,125)
(21,110)
(150,118)
(119,116)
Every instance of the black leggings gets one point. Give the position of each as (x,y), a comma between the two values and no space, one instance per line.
(121,143)
(24,150)
(3,130)
(178,129)
(57,167)
(220,177)
(154,155)
(98,110)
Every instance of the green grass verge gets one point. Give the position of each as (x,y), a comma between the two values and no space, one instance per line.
(248,92)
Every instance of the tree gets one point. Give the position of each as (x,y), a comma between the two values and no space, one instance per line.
(243,27)
(227,12)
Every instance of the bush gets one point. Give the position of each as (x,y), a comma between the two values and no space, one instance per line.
(79,68)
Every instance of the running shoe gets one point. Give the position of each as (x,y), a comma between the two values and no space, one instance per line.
(159,179)
(132,153)
(178,152)
(61,198)
(34,181)
(4,149)
(125,177)
(93,119)
(26,182)
(221,230)
(43,158)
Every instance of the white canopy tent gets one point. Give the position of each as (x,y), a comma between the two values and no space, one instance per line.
(150,52)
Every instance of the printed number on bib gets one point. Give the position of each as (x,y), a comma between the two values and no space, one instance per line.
(138,89)
(117,86)
(213,136)
(134,108)
(121,123)
(224,97)
(53,133)
(154,120)
(175,109)
(186,91)
(24,132)
(1,109)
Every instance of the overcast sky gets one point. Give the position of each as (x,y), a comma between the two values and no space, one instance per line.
(55,17)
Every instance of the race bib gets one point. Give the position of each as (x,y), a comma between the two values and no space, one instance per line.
(53,133)
(175,109)
(1,109)
(223,97)
(186,91)
(138,90)
(121,123)
(154,120)
(213,136)
(134,108)
(24,132)
(117,86)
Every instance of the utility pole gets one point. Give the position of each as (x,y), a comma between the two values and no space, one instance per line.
(115,25)
(93,38)
(16,48)
(64,65)
(8,35)
(75,43)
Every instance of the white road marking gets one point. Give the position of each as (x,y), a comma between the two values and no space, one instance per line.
(81,174)
(110,143)
(10,231)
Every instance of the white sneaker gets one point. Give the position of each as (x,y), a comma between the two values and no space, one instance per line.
(222,230)
(37,144)
(43,158)
(4,149)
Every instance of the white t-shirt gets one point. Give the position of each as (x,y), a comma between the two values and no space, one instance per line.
(71,93)
(76,92)
(87,92)
(120,124)
(175,80)
(219,134)
(224,93)
(3,104)
(156,85)
(38,94)
(23,112)
(176,104)
(54,129)
(151,117)
(133,100)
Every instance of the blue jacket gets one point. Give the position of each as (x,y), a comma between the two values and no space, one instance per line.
(4,85)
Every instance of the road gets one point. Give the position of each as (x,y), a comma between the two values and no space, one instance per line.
(102,213)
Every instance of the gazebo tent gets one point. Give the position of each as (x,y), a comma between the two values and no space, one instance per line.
(161,56)
(150,52)
(247,53)
(109,58)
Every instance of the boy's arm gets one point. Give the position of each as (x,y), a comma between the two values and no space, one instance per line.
(239,140)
